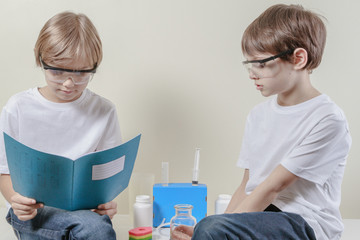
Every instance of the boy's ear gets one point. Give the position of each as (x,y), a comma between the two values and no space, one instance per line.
(300,58)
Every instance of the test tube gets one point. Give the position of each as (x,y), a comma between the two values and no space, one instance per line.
(195,178)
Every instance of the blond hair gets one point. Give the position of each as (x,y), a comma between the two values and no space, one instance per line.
(68,36)
(286,27)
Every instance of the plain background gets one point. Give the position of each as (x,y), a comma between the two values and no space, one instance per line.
(173,69)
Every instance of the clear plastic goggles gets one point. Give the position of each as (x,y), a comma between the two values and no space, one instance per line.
(60,75)
(262,68)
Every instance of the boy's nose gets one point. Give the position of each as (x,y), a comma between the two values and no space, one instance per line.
(252,75)
(69,82)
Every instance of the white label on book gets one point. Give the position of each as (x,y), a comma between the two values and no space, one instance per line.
(106,170)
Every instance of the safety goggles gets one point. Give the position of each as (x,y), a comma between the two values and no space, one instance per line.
(260,68)
(60,75)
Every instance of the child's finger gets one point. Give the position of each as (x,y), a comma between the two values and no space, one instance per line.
(179,235)
(26,216)
(108,205)
(185,229)
(17,198)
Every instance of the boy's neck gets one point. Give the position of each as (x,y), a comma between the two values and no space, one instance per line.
(297,99)
(302,92)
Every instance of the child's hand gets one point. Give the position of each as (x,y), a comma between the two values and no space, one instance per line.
(109,209)
(182,232)
(23,207)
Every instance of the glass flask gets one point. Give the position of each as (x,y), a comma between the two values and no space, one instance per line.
(182,216)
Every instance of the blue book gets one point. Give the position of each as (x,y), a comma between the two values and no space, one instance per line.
(61,182)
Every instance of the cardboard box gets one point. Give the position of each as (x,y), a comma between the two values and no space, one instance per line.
(166,197)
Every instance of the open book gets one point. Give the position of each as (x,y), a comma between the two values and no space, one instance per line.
(61,182)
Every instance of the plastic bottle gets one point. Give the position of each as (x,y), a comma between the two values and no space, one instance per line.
(143,211)
(221,203)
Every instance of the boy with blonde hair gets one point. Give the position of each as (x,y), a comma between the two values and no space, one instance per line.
(63,118)
(295,144)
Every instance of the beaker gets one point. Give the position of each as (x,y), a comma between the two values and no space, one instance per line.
(182,216)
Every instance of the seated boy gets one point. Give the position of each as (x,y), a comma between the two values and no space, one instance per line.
(295,144)
(63,118)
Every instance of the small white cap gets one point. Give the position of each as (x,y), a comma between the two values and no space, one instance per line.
(142,198)
(224,196)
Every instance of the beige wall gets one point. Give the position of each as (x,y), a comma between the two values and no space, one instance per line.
(173,69)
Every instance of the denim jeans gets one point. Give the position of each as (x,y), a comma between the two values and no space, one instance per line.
(253,226)
(53,223)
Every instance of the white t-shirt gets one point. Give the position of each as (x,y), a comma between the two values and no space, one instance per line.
(71,129)
(312,141)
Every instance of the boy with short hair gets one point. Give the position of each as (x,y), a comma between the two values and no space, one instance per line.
(295,145)
(63,118)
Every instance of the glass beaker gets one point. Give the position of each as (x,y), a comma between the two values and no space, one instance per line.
(182,216)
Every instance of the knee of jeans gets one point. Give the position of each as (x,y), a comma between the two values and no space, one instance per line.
(209,225)
(92,226)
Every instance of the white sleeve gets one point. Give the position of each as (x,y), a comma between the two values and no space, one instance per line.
(326,146)
(8,124)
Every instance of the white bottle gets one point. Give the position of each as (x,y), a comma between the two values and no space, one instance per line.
(143,211)
(221,203)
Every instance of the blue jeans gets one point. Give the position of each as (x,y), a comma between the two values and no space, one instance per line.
(54,223)
(252,226)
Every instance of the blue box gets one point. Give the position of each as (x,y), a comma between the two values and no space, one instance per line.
(166,197)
